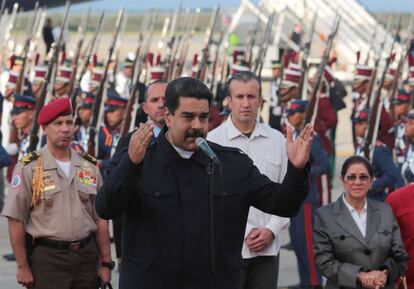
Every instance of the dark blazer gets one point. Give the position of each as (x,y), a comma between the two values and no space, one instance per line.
(341,251)
(165,205)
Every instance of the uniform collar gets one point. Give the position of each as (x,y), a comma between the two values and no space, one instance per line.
(49,162)
(234,132)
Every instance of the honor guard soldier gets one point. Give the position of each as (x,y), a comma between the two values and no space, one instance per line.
(55,232)
(109,134)
(124,77)
(84,117)
(22,117)
(407,168)
(63,78)
(301,226)
(386,172)
(275,111)
(401,107)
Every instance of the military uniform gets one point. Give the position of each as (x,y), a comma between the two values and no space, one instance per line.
(301,226)
(55,202)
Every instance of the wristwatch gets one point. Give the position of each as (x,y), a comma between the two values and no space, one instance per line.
(110,265)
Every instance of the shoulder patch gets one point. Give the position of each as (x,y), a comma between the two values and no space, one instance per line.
(88,157)
(27,159)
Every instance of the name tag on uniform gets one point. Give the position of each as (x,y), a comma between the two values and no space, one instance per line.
(86,177)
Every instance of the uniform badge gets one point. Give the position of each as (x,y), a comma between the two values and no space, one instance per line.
(48,182)
(86,177)
(16,181)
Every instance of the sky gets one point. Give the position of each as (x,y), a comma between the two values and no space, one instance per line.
(371,5)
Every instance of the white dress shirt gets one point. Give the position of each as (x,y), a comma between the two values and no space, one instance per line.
(267,149)
(360,219)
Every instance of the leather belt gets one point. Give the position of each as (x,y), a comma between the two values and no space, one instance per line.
(63,245)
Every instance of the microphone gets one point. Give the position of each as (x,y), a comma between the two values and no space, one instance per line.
(203,145)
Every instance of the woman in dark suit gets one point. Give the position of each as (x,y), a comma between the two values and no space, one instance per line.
(357,241)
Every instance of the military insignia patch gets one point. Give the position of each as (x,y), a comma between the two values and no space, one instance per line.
(86,177)
(29,158)
(16,181)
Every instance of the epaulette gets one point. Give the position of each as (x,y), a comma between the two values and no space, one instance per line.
(27,159)
(88,157)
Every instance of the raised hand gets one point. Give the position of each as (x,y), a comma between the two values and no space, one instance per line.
(139,142)
(298,151)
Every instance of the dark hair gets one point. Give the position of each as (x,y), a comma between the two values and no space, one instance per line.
(185,87)
(158,81)
(356,160)
(244,76)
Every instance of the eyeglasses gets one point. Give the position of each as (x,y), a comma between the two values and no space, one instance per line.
(353,178)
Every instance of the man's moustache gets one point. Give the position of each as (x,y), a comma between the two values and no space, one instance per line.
(194,134)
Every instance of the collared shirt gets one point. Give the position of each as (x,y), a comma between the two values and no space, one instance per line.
(360,219)
(267,148)
(68,210)
(156,131)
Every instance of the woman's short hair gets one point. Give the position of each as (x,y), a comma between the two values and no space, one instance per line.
(357,160)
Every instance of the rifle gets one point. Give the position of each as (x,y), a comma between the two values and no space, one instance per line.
(252,42)
(311,110)
(29,33)
(34,138)
(305,55)
(2,8)
(98,98)
(136,72)
(377,60)
(7,33)
(374,35)
(202,67)
(76,89)
(185,47)
(375,113)
(81,38)
(263,48)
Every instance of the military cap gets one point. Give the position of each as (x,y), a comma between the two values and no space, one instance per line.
(87,100)
(296,105)
(276,64)
(64,74)
(291,77)
(362,72)
(114,101)
(362,115)
(22,103)
(40,73)
(96,78)
(54,109)
(402,97)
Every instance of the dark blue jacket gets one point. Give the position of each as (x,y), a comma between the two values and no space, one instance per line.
(165,205)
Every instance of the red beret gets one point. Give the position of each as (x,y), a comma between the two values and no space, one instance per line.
(53,110)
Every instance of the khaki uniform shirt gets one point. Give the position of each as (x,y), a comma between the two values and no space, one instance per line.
(68,210)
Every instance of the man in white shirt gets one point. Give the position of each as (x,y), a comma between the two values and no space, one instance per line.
(267,148)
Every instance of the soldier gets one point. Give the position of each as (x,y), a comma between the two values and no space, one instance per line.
(84,117)
(22,117)
(124,77)
(109,134)
(51,206)
(407,168)
(401,107)
(386,172)
(61,86)
(300,230)
(275,111)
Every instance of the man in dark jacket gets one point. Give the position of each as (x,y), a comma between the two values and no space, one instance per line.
(47,35)
(162,190)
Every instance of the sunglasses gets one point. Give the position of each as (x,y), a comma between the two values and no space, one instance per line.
(362,178)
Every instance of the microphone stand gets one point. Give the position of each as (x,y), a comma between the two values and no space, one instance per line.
(210,171)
